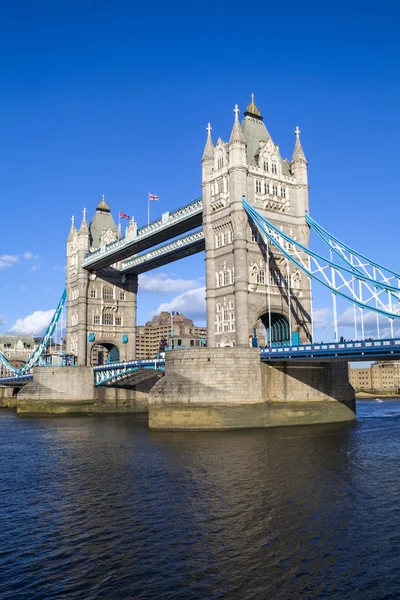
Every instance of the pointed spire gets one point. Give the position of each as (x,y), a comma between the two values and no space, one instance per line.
(298,153)
(73,228)
(208,153)
(84,224)
(237,133)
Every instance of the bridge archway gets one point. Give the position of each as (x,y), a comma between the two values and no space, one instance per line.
(279,334)
(104,353)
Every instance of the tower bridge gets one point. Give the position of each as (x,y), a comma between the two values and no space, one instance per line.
(253,223)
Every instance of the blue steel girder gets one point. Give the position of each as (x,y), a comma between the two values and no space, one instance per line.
(16,380)
(362,350)
(106,374)
(35,357)
(168,227)
(355,260)
(176,250)
(342,280)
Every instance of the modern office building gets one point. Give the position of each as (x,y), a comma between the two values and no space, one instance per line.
(168,330)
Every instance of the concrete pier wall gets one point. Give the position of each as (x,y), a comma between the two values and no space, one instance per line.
(223,388)
(71,390)
(7,397)
(207,388)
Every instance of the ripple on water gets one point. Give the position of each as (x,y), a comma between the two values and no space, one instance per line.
(102,508)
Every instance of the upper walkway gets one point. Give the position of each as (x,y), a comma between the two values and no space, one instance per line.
(169,226)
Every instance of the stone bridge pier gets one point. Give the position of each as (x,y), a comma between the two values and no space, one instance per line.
(229,388)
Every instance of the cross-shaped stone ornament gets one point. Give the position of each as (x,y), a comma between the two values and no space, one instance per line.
(236,111)
(73,220)
(297,132)
(84,213)
(209,129)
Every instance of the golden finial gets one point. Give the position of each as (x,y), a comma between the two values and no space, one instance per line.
(103,205)
(252,109)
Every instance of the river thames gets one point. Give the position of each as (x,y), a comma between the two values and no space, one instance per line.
(103,508)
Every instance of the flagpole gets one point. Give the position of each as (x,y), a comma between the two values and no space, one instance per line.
(119,217)
(148,208)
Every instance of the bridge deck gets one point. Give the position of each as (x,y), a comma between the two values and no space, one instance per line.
(187,246)
(353,351)
(181,221)
(366,350)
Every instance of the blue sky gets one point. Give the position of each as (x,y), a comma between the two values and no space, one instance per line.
(113,98)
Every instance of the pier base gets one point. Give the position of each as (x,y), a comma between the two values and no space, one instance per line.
(229,388)
(71,390)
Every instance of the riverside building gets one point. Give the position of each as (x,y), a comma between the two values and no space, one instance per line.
(168,330)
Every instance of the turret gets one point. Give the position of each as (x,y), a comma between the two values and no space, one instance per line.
(73,229)
(237,143)
(299,161)
(207,159)
(102,229)
(83,234)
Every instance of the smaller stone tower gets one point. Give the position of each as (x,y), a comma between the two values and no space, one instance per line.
(101,306)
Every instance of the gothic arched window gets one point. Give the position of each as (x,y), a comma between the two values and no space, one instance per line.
(108,317)
(108,293)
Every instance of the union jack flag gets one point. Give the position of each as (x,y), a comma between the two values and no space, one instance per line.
(124,216)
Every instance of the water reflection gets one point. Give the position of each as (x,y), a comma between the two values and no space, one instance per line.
(102,508)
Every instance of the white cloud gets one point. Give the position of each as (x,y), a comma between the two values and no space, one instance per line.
(8,260)
(162,284)
(191,303)
(35,324)
(370,322)
(322,317)
(30,255)
(35,268)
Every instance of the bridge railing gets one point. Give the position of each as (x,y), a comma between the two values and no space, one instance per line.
(113,371)
(175,245)
(358,348)
(177,216)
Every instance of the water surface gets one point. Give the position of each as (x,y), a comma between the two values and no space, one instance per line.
(102,508)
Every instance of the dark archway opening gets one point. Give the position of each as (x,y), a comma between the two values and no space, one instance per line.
(104,354)
(277,329)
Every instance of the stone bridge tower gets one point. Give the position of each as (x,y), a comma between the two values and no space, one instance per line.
(101,306)
(247,286)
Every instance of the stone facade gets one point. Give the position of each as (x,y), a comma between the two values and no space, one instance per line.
(245,281)
(70,390)
(16,349)
(382,376)
(101,306)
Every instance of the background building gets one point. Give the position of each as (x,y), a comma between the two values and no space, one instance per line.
(380,376)
(172,330)
(16,349)
(360,379)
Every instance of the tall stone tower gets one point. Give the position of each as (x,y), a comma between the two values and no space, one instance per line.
(101,306)
(249,285)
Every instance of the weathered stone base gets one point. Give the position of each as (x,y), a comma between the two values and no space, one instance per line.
(267,414)
(70,390)
(7,399)
(229,388)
